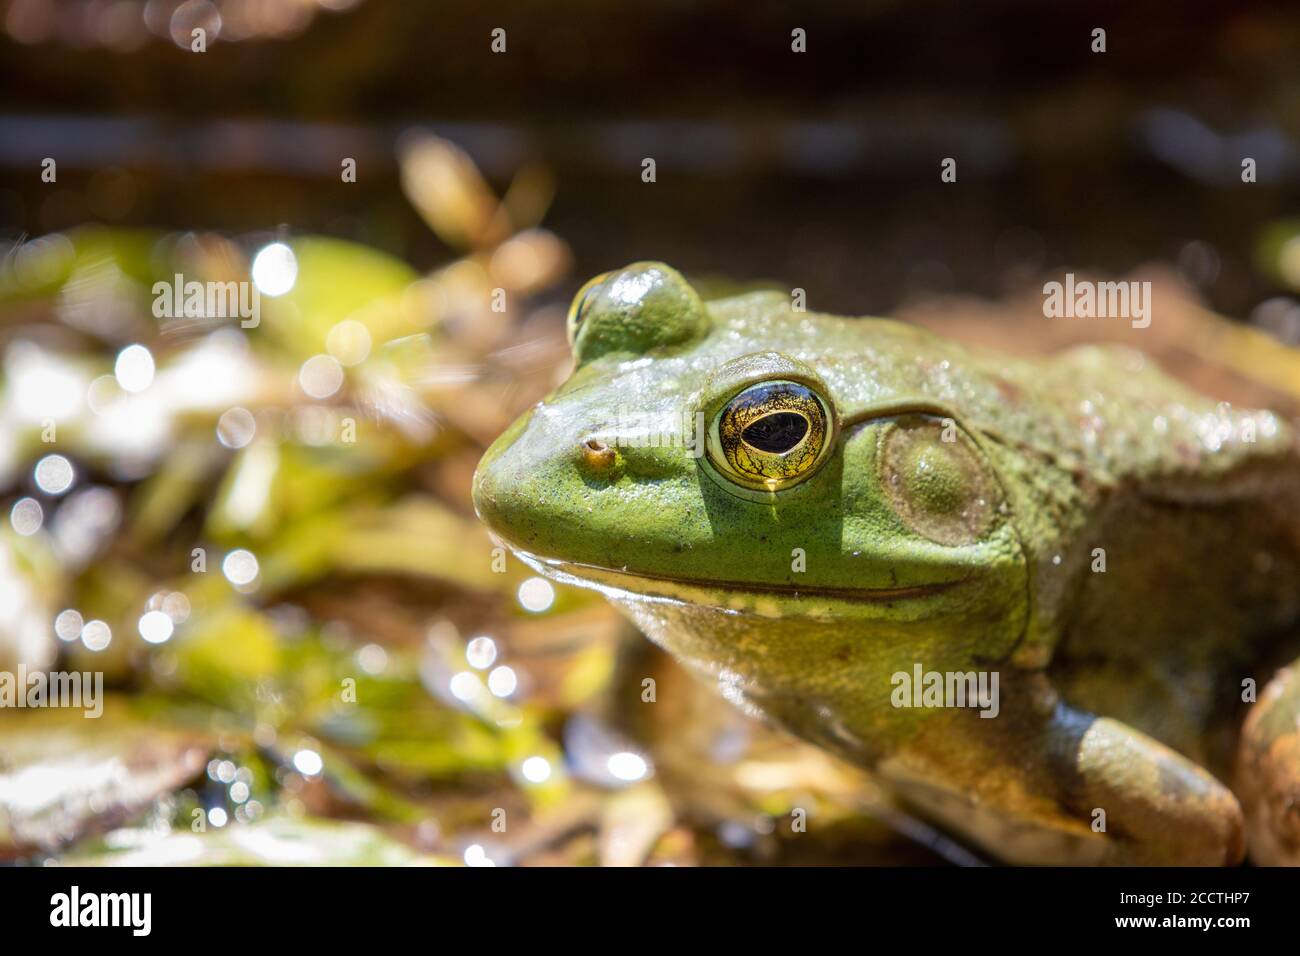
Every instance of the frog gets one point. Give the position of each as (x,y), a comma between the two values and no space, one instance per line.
(1049,603)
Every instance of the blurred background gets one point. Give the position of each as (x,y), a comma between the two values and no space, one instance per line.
(260,532)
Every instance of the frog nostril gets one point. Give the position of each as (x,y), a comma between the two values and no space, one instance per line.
(598,455)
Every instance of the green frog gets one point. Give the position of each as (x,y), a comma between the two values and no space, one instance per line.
(1050,604)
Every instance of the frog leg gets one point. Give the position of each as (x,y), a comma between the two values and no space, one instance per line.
(1160,808)
(1268,771)
(1047,783)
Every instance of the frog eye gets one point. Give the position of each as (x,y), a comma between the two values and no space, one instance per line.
(581,306)
(633,311)
(770,436)
(937,481)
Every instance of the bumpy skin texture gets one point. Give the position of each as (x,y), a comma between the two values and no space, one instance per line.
(1120,689)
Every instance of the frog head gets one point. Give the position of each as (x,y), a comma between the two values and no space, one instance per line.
(770,493)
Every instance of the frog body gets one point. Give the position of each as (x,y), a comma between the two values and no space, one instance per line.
(1025,594)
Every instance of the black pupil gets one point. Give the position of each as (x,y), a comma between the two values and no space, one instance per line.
(580,312)
(776,433)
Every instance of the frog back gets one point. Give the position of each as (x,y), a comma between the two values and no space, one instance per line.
(1162,533)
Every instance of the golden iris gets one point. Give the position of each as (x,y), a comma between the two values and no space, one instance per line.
(772,434)
(581,304)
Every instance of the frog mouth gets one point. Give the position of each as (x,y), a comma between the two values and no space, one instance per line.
(705,591)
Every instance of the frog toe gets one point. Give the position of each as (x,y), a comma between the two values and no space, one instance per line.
(1269,772)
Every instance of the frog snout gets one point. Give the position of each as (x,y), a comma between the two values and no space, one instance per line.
(499,481)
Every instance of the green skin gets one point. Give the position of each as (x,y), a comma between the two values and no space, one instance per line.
(1120,690)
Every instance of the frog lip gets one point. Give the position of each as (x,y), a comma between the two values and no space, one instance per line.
(622,579)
